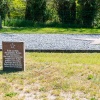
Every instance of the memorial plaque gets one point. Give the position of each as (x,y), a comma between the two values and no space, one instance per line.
(13,56)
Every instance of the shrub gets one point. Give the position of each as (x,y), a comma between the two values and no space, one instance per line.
(66,11)
(97,17)
(4,8)
(18,23)
(36,10)
(88,12)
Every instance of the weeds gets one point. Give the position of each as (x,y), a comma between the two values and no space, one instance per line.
(57,75)
(11,94)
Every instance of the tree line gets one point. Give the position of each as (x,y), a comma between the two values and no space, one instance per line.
(79,12)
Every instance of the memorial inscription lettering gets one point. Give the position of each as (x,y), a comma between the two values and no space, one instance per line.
(13,56)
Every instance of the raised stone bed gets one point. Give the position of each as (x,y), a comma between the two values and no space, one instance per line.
(55,42)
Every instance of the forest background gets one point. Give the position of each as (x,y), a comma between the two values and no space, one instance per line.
(69,13)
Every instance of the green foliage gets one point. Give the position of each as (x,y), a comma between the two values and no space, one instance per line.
(93,99)
(88,12)
(17,9)
(63,10)
(51,12)
(71,13)
(97,18)
(4,8)
(18,23)
(12,94)
(66,11)
(90,77)
(0,22)
(35,10)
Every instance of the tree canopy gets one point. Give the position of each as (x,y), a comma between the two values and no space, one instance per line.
(84,12)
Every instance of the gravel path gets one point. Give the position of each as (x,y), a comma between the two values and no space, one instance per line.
(53,42)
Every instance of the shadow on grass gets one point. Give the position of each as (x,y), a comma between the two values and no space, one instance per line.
(7,72)
(58,28)
(50,24)
(35,29)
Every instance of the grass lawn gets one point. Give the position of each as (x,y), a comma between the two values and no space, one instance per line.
(48,30)
(53,76)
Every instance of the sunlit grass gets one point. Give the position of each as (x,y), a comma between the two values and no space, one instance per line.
(48,30)
(54,74)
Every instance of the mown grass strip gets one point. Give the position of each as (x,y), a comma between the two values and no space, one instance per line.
(48,30)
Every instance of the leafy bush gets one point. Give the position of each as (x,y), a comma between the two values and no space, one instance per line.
(17,8)
(18,23)
(88,12)
(66,11)
(12,94)
(63,10)
(97,18)
(36,10)
(52,13)
(4,8)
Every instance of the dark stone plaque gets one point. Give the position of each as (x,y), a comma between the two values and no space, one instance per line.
(13,56)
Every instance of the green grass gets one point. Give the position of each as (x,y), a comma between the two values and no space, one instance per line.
(49,30)
(53,74)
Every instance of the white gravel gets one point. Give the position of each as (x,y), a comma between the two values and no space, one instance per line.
(52,41)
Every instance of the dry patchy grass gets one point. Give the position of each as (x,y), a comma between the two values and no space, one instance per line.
(53,76)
